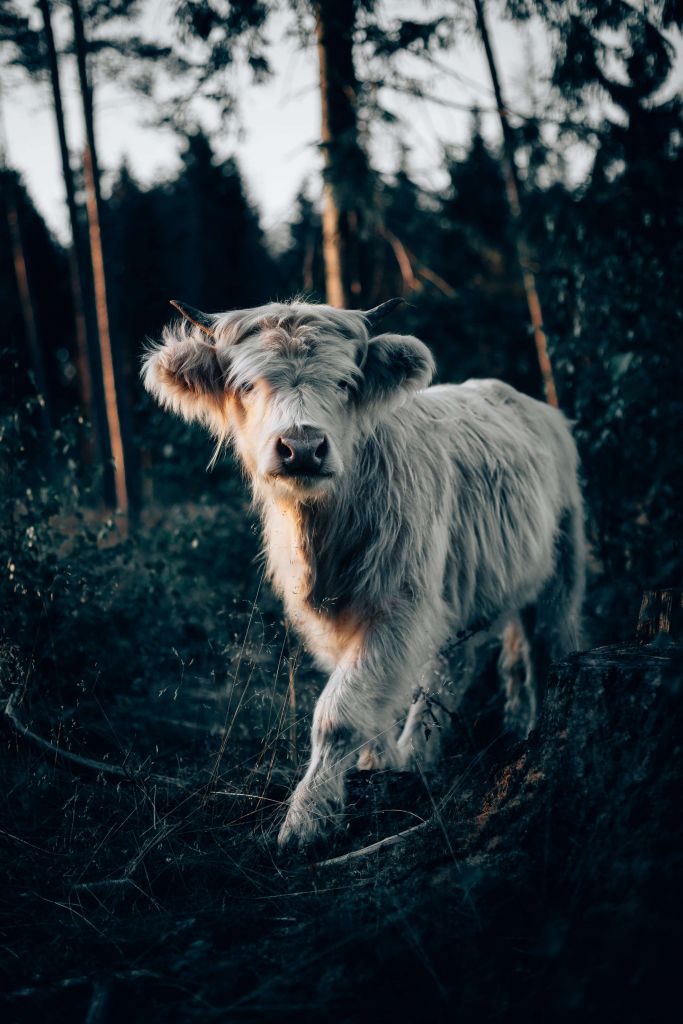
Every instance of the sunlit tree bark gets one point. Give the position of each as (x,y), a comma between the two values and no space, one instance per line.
(513,192)
(94,209)
(346,168)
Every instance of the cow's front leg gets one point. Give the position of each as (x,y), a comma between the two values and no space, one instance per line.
(437,696)
(318,799)
(342,720)
(358,713)
(429,714)
(358,709)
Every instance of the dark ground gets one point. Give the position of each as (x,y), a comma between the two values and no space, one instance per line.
(546,884)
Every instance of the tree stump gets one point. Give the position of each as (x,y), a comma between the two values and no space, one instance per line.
(604,768)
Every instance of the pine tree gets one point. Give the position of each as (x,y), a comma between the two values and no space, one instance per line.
(350,214)
(218,255)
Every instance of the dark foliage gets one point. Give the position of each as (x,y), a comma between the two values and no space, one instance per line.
(612,289)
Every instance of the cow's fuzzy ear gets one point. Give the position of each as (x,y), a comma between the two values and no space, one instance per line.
(396,361)
(184,373)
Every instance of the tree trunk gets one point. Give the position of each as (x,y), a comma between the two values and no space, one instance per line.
(94,209)
(26,304)
(77,258)
(513,193)
(346,170)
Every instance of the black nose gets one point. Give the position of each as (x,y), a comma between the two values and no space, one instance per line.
(302,453)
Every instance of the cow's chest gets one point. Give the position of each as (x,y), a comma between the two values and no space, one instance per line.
(331,637)
(288,565)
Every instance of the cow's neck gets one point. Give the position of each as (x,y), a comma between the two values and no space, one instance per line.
(295,532)
(310,548)
(306,566)
(343,555)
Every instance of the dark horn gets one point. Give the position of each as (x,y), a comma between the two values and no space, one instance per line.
(373,316)
(195,316)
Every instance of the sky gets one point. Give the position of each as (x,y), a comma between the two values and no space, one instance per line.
(275,144)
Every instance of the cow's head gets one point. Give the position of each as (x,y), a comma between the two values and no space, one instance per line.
(292,385)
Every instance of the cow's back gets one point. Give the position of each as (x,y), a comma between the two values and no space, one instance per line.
(513,474)
(507,428)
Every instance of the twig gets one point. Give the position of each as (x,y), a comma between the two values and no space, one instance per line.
(364,851)
(407,260)
(463,635)
(103,883)
(132,866)
(402,258)
(438,281)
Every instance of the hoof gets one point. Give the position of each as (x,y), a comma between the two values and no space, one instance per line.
(369,760)
(305,825)
(419,751)
(519,718)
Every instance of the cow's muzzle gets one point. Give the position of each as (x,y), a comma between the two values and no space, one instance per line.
(302,453)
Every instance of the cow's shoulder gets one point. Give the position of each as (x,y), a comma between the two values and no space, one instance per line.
(494,390)
(476,393)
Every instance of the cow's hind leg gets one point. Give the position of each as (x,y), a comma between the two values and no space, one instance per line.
(517,675)
(553,625)
(435,699)
(547,630)
(558,611)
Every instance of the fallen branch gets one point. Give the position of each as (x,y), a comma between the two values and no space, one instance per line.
(104,885)
(99,1003)
(113,771)
(381,844)
(76,982)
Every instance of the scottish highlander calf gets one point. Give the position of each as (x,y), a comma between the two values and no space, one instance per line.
(395,516)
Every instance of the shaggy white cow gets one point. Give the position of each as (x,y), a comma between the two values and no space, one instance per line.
(395,515)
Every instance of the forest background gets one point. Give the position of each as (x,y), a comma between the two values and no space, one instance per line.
(547,251)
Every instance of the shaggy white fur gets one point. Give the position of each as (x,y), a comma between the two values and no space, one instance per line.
(433,509)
